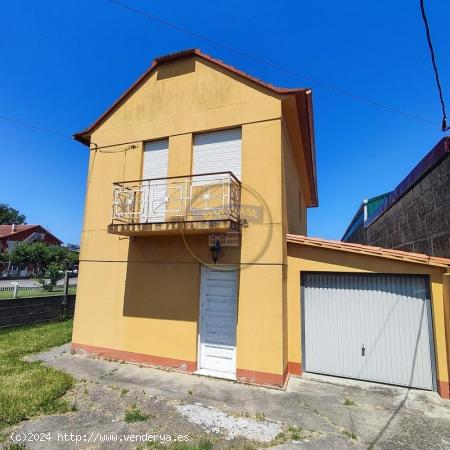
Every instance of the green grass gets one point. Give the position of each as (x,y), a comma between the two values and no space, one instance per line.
(124,392)
(29,389)
(260,416)
(349,402)
(350,435)
(204,444)
(38,292)
(134,414)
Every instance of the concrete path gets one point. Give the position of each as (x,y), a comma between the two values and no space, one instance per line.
(314,412)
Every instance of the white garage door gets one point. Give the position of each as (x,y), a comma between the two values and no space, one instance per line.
(154,194)
(218,323)
(370,327)
(218,151)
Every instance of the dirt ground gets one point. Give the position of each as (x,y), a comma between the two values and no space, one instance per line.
(118,405)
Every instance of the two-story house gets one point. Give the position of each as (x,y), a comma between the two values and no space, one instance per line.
(193,251)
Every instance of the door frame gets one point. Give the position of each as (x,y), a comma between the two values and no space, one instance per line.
(429,308)
(203,271)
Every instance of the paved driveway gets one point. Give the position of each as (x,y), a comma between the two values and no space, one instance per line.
(311,413)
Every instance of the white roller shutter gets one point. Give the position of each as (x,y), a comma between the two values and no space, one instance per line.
(156,156)
(154,194)
(370,327)
(218,151)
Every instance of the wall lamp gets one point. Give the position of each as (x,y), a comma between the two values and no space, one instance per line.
(216,250)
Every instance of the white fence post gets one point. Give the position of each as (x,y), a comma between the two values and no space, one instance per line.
(16,288)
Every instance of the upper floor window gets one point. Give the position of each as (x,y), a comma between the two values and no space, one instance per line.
(218,151)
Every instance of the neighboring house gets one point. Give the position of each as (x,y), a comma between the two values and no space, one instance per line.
(356,231)
(193,255)
(415,216)
(12,235)
(73,248)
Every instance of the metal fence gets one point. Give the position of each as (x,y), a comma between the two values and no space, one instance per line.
(11,289)
(212,196)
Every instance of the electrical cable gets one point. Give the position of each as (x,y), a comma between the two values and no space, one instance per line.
(445,127)
(270,64)
(29,125)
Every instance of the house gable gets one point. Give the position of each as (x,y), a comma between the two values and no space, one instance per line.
(185,96)
(189,92)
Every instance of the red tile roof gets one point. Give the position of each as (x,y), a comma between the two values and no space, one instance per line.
(302,96)
(418,258)
(7,230)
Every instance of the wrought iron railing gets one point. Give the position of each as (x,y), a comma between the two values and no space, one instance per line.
(211,196)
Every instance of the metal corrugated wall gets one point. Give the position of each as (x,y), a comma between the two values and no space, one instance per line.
(369,327)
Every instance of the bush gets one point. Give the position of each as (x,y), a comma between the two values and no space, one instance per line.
(48,261)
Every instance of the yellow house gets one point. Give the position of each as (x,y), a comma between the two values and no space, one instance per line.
(193,253)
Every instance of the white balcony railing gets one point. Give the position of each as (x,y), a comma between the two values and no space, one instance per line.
(215,196)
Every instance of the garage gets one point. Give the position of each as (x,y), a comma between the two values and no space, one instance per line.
(372,327)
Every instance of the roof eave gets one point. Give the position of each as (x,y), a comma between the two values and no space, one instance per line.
(367,250)
(306,122)
(84,135)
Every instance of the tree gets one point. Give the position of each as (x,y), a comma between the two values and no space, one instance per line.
(48,261)
(9,215)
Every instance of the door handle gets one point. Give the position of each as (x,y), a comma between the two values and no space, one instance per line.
(363,350)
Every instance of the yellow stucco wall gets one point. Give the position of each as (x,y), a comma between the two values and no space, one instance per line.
(305,258)
(294,204)
(141,294)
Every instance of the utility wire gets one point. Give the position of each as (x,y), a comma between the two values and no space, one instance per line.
(268,63)
(56,133)
(35,127)
(445,127)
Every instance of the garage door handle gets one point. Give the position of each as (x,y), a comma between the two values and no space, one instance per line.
(363,350)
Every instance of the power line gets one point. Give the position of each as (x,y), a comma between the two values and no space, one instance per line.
(35,127)
(274,66)
(445,127)
(269,63)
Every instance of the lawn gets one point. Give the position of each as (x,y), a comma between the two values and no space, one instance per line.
(29,388)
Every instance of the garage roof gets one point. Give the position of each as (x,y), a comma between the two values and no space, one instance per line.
(418,258)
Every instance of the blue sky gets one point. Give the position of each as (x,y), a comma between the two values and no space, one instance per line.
(64,63)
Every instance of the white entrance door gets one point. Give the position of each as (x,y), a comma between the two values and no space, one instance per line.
(154,193)
(370,327)
(217,340)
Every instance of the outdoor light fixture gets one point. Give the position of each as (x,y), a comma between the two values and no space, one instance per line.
(216,250)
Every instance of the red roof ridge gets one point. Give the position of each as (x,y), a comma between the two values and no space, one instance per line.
(302,95)
(6,230)
(419,258)
(81,136)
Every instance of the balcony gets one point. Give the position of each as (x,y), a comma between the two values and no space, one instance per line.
(207,203)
